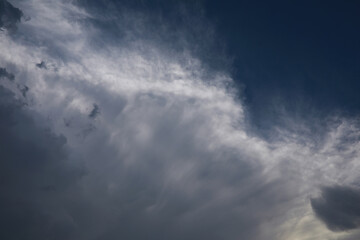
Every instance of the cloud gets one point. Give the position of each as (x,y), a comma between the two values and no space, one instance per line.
(6,74)
(171,155)
(23,90)
(338,207)
(9,15)
(42,64)
(36,177)
(95,111)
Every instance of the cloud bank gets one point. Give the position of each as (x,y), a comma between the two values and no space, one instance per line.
(115,125)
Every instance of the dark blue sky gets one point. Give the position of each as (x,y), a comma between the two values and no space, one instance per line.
(299,51)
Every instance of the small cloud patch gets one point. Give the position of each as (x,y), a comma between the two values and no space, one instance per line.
(95,111)
(338,207)
(5,74)
(42,65)
(24,89)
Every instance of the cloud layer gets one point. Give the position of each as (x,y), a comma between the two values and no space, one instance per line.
(110,130)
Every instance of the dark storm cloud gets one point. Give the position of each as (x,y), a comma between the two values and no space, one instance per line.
(35,176)
(221,196)
(338,207)
(9,15)
(5,74)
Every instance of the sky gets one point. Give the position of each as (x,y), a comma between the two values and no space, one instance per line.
(179,120)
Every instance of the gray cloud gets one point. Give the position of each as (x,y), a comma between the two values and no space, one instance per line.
(9,15)
(45,195)
(95,111)
(42,64)
(36,176)
(6,74)
(338,207)
(23,89)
